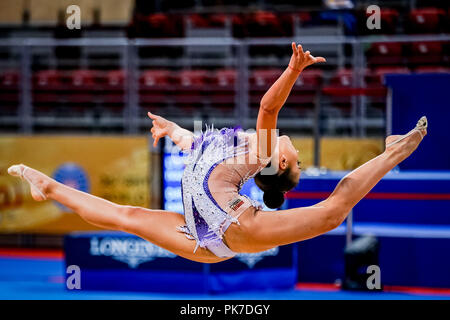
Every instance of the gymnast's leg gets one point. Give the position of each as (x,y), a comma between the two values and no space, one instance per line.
(270,229)
(156,226)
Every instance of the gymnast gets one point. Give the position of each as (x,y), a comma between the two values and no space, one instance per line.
(218,222)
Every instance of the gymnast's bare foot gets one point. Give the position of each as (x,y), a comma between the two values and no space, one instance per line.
(39,183)
(404,145)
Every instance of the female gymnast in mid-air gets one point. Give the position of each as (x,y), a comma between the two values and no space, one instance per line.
(218,222)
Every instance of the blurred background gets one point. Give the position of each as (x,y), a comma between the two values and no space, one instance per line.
(74,102)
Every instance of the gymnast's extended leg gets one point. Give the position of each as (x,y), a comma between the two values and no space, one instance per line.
(156,226)
(266,229)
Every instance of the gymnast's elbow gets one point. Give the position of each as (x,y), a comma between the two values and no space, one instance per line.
(334,217)
(269,108)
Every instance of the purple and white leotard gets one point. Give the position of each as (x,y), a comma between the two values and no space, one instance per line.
(217,166)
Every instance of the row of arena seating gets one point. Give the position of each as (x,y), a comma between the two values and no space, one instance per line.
(275,24)
(159,78)
(411,54)
(191,87)
(421,52)
(57,79)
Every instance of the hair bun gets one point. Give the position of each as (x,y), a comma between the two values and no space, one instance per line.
(273,199)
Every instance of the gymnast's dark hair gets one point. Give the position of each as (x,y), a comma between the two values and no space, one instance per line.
(275,186)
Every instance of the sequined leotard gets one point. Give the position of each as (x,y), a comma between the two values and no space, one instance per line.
(217,166)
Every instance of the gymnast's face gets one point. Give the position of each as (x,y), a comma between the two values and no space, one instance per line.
(288,158)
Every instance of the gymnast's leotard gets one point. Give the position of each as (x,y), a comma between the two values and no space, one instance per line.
(218,164)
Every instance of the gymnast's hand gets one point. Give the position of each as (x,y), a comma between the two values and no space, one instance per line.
(300,60)
(161,127)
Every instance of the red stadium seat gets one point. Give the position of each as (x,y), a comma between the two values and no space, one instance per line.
(376,78)
(156,25)
(115,78)
(427,47)
(260,81)
(426,20)
(342,78)
(9,91)
(189,78)
(84,78)
(309,78)
(208,21)
(389,18)
(340,88)
(152,78)
(263,24)
(47,78)
(85,87)
(73,91)
(198,20)
(238,22)
(50,91)
(447,21)
(425,52)
(432,69)
(385,53)
(382,71)
(191,86)
(47,88)
(306,88)
(225,77)
(218,20)
(160,25)
(9,79)
(286,23)
(155,87)
(223,92)
(114,83)
(264,78)
(264,18)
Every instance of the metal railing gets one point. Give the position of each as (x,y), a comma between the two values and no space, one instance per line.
(132,119)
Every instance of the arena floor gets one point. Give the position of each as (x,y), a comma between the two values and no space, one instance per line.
(30,275)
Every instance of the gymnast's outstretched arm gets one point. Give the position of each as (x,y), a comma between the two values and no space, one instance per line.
(274,99)
(161,127)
